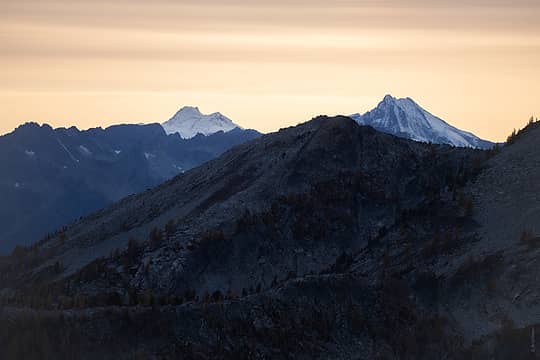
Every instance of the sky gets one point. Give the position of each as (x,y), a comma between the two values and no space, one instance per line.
(268,64)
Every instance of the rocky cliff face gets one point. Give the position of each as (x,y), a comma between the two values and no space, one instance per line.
(325,240)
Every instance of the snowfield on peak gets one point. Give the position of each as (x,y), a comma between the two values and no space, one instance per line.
(189,121)
(405,118)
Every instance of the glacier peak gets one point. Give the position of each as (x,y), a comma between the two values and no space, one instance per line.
(189,121)
(403,117)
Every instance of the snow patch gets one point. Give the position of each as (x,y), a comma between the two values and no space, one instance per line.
(149,156)
(84,150)
(67,151)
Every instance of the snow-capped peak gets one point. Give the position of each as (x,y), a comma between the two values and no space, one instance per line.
(189,121)
(405,118)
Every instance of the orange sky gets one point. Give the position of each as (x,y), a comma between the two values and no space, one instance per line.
(268,64)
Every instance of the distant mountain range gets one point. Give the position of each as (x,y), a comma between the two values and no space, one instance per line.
(406,119)
(52,176)
(400,117)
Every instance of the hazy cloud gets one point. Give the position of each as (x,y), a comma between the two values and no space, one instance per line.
(440,50)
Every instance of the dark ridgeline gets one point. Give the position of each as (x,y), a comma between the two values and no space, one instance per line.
(325,240)
(51,177)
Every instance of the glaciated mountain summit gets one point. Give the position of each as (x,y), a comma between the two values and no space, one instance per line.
(405,118)
(189,121)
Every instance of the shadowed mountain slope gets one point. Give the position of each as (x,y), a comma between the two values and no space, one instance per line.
(53,176)
(325,240)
